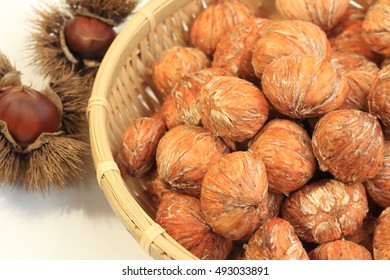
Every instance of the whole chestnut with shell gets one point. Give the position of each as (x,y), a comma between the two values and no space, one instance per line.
(234,195)
(232,108)
(215,21)
(340,250)
(183,156)
(378,188)
(74,37)
(289,37)
(175,63)
(324,13)
(327,210)
(349,144)
(379,97)
(381,239)
(27,113)
(88,37)
(275,240)
(286,150)
(182,218)
(303,86)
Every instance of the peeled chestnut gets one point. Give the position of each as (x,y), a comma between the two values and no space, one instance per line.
(88,38)
(27,113)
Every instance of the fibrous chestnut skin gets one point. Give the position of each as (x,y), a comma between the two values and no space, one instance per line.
(182,218)
(381,240)
(27,113)
(303,86)
(340,250)
(349,144)
(275,240)
(137,153)
(88,38)
(234,195)
(286,150)
(326,210)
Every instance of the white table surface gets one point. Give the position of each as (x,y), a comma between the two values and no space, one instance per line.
(77,223)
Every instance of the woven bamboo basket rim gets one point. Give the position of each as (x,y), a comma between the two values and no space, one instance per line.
(154,240)
(151,236)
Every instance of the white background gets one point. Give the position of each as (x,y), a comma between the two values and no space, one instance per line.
(77,223)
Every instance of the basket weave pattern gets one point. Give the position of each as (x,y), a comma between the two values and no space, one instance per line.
(122,92)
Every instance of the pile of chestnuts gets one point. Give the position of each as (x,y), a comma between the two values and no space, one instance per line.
(276,141)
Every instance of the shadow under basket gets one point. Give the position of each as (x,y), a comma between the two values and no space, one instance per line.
(122,92)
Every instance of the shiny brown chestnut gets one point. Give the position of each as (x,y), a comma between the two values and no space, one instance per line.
(27,113)
(88,38)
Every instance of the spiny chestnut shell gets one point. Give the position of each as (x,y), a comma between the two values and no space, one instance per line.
(340,250)
(234,195)
(182,218)
(326,210)
(285,148)
(349,144)
(88,38)
(28,113)
(275,240)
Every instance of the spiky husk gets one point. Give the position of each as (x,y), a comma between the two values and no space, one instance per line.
(60,161)
(74,92)
(45,44)
(10,163)
(113,11)
(9,76)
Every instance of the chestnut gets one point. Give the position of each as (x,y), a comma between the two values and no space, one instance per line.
(88,38)
(27,113)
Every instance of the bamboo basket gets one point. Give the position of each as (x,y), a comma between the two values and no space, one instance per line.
(122,91)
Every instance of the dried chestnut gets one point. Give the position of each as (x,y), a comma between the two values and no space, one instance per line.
(340,250)
(376,27)
(324,13)
(379,96)
(303,86)
(359,72)
(378,188)
(234,195)
(137,152)
(187,91)
(232,108)
(381,241)
(173,64)
(275,240)
(184,154)
(215,20)
(182,218)
(326,210)
(285,148)
(289,37)
(349,144)
(235,49)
